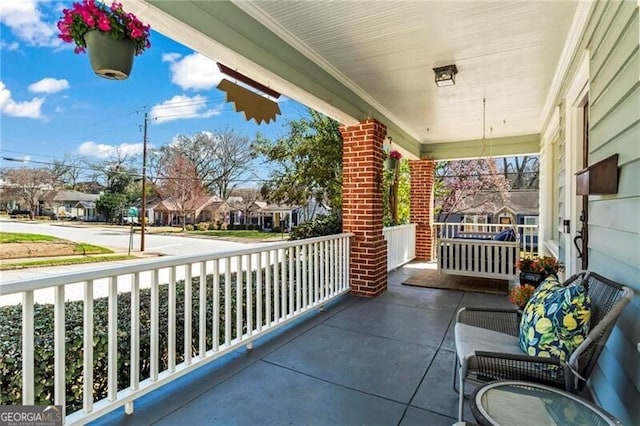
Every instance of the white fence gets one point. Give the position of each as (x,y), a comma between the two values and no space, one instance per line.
(172,324)
(401,244)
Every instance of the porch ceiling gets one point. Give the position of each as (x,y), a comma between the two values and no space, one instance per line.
(353,60)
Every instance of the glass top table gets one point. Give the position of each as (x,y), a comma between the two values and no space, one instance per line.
(531,404)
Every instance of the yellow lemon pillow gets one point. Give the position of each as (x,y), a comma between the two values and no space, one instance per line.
(555,320)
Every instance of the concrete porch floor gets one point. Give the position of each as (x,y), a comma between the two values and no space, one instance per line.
(382,361)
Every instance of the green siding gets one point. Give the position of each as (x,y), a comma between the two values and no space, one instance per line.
(612,38)
(606,214)
(625,145)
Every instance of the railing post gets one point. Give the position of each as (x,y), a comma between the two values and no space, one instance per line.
(28,384)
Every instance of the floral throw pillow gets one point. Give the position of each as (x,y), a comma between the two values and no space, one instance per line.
(556,319)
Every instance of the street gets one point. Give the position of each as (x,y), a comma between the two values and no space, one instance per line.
(114,238)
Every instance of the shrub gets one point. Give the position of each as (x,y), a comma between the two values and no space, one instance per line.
(203,226)
(11,339)
(276,230)
(189,227)
(329,224)
(213,226)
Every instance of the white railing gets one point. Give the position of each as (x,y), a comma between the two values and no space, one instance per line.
(401,244)
(175,324)
(527,234)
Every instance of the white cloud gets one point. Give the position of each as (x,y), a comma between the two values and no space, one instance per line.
(49,85)
(195,72)
(9,46)
(26,22)
(101,150)
(182,107)
(170,57)
(25,109)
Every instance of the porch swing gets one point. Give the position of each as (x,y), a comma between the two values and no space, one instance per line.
(480,254)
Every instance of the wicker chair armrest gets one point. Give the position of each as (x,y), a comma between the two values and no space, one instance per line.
(501,320)
(500,366)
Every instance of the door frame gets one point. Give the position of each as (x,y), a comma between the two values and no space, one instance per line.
(576,97)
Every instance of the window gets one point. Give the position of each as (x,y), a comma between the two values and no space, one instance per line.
(531,220)
(505,220)
(474,222)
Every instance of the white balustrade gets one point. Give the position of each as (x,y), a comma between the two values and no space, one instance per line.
(401,244)
(263,289)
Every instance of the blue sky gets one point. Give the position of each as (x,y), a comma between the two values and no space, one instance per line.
(52,104)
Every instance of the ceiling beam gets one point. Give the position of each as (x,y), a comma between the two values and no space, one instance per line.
(479,148)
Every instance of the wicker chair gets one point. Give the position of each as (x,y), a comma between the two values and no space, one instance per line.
(487,346)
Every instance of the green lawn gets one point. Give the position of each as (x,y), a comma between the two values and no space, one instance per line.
(16,237)
(84,248)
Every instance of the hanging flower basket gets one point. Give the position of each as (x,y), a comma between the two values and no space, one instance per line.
(112,59)
(391,162)
(111,35)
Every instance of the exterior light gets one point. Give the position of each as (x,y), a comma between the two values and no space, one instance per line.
(446,76)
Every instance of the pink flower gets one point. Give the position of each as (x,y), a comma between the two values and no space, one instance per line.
(395,155)
(104,24)
(88,15)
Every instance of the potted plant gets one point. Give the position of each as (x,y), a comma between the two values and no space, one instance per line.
(111,35)
(520,295)
(392,160)
(534,269)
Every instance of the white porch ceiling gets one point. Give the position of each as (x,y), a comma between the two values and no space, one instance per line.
(505,52)
(358,59)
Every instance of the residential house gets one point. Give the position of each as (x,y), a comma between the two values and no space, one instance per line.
(69,204)
(519,208)
(558,79)
(207,208)
(564,85)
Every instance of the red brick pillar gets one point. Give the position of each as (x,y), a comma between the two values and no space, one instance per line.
(362,159)
(422,176)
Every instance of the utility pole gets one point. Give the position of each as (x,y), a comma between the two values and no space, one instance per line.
(144,183)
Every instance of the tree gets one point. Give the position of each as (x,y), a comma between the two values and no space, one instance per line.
(110,205)
(115,174)
(29,187)
(308,162)
(404,194)
(522,172)
(181,186)
(219,159)
(66,172)
(462,181)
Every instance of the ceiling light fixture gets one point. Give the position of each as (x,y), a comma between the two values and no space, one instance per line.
(445,76)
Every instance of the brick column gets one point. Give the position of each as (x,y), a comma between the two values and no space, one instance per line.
(422,176)
(362,159)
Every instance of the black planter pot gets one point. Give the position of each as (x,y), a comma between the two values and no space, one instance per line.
(532,278)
